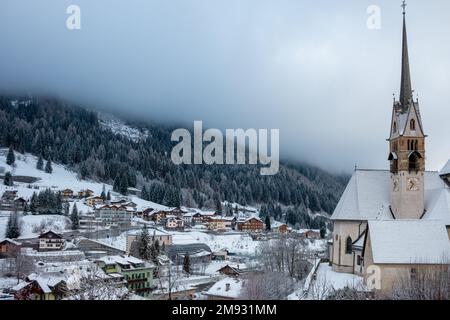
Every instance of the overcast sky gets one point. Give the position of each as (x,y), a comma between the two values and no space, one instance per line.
(310,68)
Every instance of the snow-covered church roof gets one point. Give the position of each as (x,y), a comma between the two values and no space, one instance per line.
(446,169)
(409,242)
(367,197)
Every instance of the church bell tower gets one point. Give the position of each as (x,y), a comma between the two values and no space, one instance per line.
(407,147)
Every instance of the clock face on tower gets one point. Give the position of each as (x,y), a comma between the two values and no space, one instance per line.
(413,184)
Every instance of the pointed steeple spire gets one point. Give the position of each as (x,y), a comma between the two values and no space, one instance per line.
(405,88)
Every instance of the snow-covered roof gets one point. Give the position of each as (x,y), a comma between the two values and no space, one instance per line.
(277,224)
(151,232)
(228,288)
(11,241)
(409,241)
(446,169)
(124,260)
(367,195)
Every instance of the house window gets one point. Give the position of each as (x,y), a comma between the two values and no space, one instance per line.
(412,124)
(348,245)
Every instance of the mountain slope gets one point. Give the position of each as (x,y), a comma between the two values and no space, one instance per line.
(139,155)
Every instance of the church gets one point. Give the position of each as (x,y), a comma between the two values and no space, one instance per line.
(397,220)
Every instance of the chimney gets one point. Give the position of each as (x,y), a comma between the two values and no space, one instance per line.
(227,287)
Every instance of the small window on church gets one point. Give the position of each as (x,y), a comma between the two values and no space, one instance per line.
(358,260)
(348,245)
(412,124)
(395,126)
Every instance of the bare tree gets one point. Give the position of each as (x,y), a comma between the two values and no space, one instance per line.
(423,282)
(96,285)
(286,255)
(267,286)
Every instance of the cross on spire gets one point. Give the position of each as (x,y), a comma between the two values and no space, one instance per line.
(404,4)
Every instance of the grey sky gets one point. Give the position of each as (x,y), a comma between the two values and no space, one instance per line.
(310,68)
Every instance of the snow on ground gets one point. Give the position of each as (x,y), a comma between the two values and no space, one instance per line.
(60,179)
(31,225)
(7,282)
(119,128)
(327,281)
(236,243)
(119,242)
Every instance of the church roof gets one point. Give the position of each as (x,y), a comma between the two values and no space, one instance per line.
(446,169)
(409,241)
(367,197)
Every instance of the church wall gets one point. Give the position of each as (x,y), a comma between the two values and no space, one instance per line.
(341,261)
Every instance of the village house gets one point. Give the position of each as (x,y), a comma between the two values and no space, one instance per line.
(10,201)
(9,248)
(85,193)
(115,214)
(51,241)
(174,223)
(231,270)
(94,201)
(219,223)
(67,194)
(163,238)
(252,225)
(187,219)
(202,217)
(137,273)
(40,288)
(225,289)
(221,255)
(158,216)
(279,227)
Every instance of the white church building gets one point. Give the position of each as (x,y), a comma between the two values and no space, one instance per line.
(397,220)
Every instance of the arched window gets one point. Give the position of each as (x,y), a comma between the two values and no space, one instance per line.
(414,164)
(395,127)
(409,145)
(348,245)
(412,124)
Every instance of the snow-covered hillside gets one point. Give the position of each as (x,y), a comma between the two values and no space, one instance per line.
(61,178)
(118,127)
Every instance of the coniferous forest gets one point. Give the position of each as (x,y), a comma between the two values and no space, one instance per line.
(60,132)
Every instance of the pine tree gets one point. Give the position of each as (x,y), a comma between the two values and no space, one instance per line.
(267,222)
(187,264)
(8,180)
(323,231)
(40,163)
(10,158)
(74,218)
(144,193)
(13,226)
(144,244)
(66,208)
(103,195)
(48,166)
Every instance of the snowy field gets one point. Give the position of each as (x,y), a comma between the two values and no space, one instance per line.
(60,179)
(32,225)
(237,243)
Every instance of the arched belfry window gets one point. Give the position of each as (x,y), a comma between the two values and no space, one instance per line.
(395,126)
(414,163)
(412,124)
(348,245)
